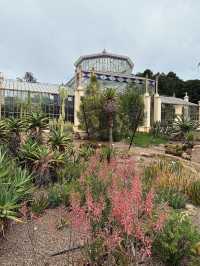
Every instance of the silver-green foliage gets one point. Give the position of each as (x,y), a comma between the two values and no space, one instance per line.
(15,186)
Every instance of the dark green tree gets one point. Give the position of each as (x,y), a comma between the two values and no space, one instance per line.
(131,111)
(29,77)
(90,108)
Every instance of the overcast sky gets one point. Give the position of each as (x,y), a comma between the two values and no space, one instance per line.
(47,36)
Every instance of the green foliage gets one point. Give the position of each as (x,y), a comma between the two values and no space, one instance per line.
(3,132)
(175,199)
(41,161)
(15,127)
(15,186)
(58,140)
(131,111)
(86,150)
(95,252)
(90,108)
(160,129)
(174,244)
(182,126)
(37,122)
(39,203)
(106,153)
(146,139)
(174,149)
(194,192)
(54,196)
(70,171)
(110,108)
(59,194)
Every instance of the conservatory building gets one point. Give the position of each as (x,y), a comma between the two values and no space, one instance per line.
(116,71)
(111,70)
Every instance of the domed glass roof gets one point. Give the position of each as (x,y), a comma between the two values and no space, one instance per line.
(105,62)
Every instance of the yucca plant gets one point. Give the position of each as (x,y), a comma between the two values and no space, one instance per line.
(37,122)
(58,140)
(110,108)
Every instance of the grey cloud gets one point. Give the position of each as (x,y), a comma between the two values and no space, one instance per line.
(46,37)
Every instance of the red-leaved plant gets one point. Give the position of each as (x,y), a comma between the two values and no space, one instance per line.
(120,221)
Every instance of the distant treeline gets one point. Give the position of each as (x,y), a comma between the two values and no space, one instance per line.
(170,84)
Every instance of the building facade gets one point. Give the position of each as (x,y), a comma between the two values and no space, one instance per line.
(111,70)
(116,71)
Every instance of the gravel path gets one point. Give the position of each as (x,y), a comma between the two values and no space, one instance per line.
(31,244)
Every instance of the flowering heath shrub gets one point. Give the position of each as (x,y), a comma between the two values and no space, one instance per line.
(120,222)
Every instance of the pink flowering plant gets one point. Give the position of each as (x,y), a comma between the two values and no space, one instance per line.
(120,221)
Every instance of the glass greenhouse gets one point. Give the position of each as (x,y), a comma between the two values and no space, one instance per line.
(17,98)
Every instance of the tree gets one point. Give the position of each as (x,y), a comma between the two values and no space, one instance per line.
(131,111)
(147,72)
(110,108)
(91,108)
(29,77)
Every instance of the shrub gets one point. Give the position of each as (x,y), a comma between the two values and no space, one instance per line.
(59,194)
(174,149)
(160,129)
(166,173)
(54,196)
(41,161)
(194,192)
(4,133)
(115,214)
(58,140)
(70,171)
(39,203)
(174,244)
(87,150)
(175,199)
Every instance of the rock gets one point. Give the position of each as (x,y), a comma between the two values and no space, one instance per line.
(186,156)
(190,207)
(148,155)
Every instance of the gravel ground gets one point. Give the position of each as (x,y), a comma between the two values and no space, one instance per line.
(32,243)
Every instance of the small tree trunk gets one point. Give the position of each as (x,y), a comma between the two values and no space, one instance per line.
(110,123)
(110,136)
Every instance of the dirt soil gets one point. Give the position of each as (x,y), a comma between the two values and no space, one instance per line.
(33,243)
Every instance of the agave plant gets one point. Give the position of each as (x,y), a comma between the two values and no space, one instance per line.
(15,127)
(15,185)
(3,132)
(182,126)
(37,123)
(41,161)
(58,140)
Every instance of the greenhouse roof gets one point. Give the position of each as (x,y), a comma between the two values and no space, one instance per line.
(175,101)
(104,54)
(11,84)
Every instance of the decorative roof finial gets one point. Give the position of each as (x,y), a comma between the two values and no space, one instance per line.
(186,98)
(104,51)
